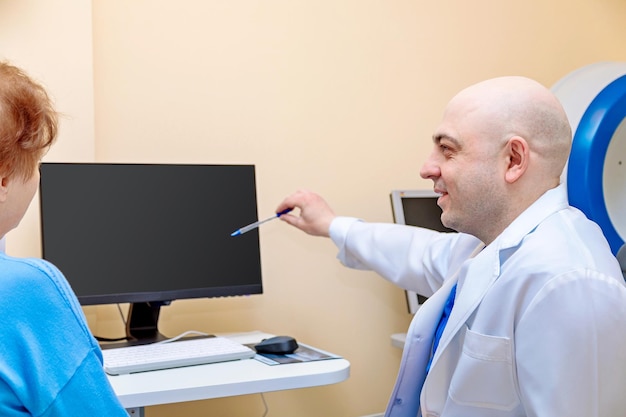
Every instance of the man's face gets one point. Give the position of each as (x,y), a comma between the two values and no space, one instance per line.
(464,167)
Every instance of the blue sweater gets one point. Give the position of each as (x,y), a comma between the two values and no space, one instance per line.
(50,364)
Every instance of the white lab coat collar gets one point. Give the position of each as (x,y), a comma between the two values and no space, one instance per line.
(549,203)
(484,269)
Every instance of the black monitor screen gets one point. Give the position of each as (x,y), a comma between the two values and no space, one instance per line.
(150,232)
(423,212)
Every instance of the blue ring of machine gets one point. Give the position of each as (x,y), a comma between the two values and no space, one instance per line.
(586,163)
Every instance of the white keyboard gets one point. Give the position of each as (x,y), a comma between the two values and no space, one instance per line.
(151,357)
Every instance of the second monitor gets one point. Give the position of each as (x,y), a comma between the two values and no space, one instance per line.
(417,208)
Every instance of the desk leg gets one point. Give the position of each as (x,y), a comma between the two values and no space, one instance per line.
(135,412)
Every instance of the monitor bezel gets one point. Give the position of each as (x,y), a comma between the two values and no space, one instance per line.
(413,299)
(168,295)
(398,195)
(144,306)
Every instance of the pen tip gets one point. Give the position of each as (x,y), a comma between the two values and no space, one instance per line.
(236,233)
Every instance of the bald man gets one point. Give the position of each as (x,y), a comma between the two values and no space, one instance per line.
(527,307)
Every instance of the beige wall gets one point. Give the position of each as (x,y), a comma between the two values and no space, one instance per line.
(52,41)
(337,96)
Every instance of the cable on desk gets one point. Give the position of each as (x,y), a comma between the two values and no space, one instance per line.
(265,405)
(180,336)
(116,339)
(119,309)
(173,339)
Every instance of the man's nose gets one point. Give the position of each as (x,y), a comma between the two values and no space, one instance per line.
(430,169)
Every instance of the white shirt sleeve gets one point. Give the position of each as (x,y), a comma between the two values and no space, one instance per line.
(413,258)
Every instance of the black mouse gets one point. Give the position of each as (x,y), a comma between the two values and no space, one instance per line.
(277,345)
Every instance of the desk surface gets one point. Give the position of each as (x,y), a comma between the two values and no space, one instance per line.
(224,379)
(398,339)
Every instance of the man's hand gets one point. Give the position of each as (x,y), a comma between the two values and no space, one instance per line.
(315,214)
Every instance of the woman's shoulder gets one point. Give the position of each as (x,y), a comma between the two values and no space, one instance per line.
(22,271)
(33,278)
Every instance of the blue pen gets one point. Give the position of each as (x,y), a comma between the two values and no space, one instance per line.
(257,224)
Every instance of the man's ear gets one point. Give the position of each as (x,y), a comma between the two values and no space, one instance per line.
(518,158)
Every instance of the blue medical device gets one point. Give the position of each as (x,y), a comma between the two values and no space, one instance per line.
(594,98)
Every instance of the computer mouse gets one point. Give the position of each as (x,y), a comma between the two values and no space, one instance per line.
(277,345)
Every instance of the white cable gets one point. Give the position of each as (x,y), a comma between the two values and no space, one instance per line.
(180,336)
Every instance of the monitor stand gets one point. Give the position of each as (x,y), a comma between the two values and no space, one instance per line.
(142,326)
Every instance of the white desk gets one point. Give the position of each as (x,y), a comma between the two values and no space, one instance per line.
(398,339)
(201,382)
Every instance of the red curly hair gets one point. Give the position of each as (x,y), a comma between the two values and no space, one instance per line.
(28,122)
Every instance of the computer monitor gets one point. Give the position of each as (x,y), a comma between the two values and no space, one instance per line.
(148,234)
(417,208)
